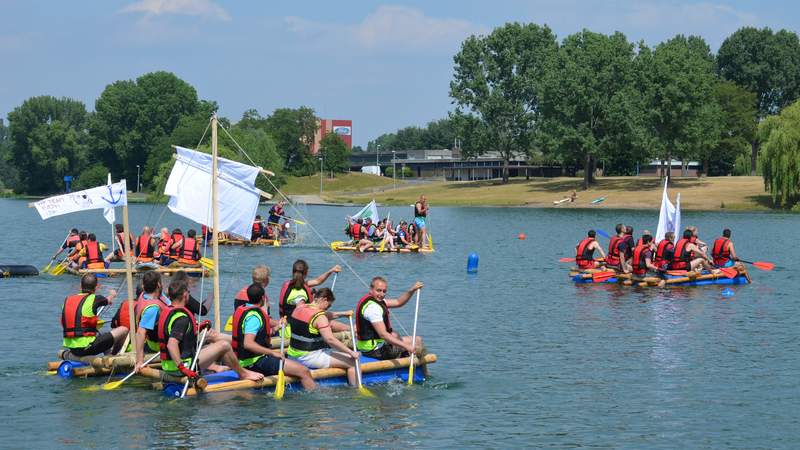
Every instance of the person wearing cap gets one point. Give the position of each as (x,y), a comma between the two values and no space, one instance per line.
(584,252)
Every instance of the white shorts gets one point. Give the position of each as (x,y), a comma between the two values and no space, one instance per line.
(320,359)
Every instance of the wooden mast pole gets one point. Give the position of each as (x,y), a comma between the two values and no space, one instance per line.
(128,269)
(215,220)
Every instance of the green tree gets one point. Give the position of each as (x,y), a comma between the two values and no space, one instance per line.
(677,79)
(765,63)
(780,156)
(590,106)
(335,154)
(48,141)
(496,79)
(738,127)
(96,175)
(132,117)
(8,173)
(293,131)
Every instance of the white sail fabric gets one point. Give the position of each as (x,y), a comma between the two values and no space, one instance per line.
(669,218)
(368,212)
(109,213)
(101,197)
(189,188)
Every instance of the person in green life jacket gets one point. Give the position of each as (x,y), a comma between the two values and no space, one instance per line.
(313,343)
(178,334)
(251,340)
(79,322)
(298,290)
(376,339)
(149,307)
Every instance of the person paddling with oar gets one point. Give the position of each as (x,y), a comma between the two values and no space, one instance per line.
(70,241)
(376,339)
(177,334)
(584,252)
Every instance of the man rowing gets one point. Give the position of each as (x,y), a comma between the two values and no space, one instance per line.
(688,255)
(177,337)
(251,340)
(79,322)
(584,252)
(93,254)
(274,220)
(69,243)
(376,338)
(723,253)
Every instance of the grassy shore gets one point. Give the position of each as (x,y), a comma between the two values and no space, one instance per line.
(343,184)
(707,194)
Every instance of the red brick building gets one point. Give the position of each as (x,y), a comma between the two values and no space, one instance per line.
(344,128)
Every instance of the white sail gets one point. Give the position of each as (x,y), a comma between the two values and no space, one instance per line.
(189,188)
(368,212)
(101,197)
(109,213)
(669,218)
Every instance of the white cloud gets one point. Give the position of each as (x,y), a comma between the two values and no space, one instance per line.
(687,15)
(198,8)
(390,28)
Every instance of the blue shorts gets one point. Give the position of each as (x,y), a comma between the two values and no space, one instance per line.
(730,263)
(419,222)
(267,365)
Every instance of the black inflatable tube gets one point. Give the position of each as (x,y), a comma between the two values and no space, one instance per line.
(11,270)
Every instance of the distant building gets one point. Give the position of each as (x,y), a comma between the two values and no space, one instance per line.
(344,128)
(653,169)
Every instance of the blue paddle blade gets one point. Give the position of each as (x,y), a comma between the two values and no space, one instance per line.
(603,233)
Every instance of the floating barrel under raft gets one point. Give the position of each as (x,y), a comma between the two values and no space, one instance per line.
(14,270)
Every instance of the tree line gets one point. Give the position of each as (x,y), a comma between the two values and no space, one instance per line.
(595,98)
(132,129)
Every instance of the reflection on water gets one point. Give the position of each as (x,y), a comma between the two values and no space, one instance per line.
(526,358)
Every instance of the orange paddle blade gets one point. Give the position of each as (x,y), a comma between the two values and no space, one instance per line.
(676,272)
(764,265)
(566,260)
(729,272)
(600,277)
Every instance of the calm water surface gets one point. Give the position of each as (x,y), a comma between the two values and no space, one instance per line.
(526,359)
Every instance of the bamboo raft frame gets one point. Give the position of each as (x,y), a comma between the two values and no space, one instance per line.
(627,279)
(257,243)
(162,270)
(337,247)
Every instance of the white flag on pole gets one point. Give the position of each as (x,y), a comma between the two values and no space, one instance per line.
(101,197)
(669,218)
(108,213)
(368,212)
(189,186)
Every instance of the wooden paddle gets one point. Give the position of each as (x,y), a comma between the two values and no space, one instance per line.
(763,265)
(60,249)
(299,222)
(208,263)
(361,389)
(413,342)
(116,384)
(280,385)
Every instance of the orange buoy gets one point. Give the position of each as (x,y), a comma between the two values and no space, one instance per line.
(521,236)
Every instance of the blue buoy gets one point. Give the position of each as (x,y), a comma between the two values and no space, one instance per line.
(727,292)
(472,263)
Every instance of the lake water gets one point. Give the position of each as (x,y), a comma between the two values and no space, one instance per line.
(526,358)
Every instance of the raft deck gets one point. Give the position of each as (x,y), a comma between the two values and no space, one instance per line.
(689,279)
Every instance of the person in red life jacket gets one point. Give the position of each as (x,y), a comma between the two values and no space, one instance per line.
(274,219)
(298,289)
(723,253)
(149,308)
(642,260)
(194,305)
(702,246)
(145,247)
(615,259)
(175,245)
(664,251)
(257,230)
(93,254)
(76,260)
(313,343)
(162,248)
(177,338)
(260,277)
(189,254)
(79,322)
(630,243)
(584,252)
(69,243)
(251,340)
(356,231)
(119,242)
(403,238)
(370,236)
(683,258)
(376,339)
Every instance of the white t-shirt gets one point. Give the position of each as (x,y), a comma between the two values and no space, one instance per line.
(373,312)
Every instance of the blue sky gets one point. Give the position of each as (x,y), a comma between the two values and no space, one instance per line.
(383,65)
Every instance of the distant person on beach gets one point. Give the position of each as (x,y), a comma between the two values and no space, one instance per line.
(420,219)
(584,252)
(79,321)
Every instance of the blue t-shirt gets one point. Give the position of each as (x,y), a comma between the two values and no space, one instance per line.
(252,324)
(149,319)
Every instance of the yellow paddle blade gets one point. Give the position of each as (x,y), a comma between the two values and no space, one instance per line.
(280,386)
(100,323)
(383,245)
(207,263)
(47,267)
(92,388)
(365,392)
(58,270)
(336,244)
(410,374)
(229,324)
(110,386)
(276,242)
(299,222)
(430,242)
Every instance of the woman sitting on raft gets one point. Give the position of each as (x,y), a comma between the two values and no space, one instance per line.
(313,343)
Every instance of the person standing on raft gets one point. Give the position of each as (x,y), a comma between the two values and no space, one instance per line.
(376,339)
(79,322)
(584,252)
(177,338)
(723,253)
(251,341)
(420,219)
(313,343)
(274,219)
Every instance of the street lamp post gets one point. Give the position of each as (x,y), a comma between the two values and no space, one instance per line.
(377,156)
(394,171)
(138,186)
(320,176)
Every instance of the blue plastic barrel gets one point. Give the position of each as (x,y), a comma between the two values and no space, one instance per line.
(472,263)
